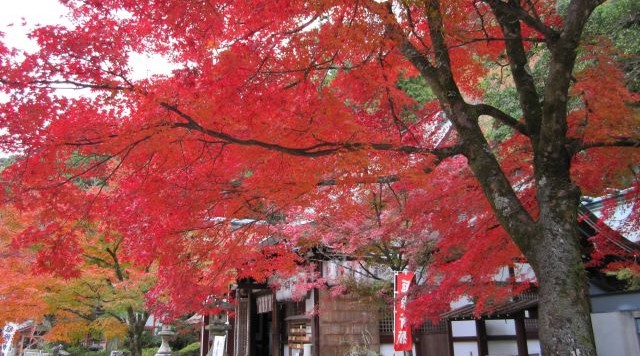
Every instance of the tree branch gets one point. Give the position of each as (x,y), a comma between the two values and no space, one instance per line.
(486,109)
(317,150)
(97,260)
(514,8)
(85,316)
(578,145)
(57,83)
(497,188)
(518,61)
(552,149)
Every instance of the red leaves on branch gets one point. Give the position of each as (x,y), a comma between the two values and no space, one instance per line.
(278,112)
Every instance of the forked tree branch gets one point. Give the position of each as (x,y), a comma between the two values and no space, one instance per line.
(528,96)
(318,150)
(485,109)
(514,8)
(464,116)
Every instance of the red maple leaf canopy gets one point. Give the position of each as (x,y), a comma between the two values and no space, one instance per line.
(291,114)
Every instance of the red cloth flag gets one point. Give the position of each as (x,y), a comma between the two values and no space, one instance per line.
(401,329)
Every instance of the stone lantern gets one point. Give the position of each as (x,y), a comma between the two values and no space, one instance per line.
(218,325)
(218,328)
(165,333)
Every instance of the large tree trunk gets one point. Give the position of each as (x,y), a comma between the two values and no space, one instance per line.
(564,308)
(564,312)
(551,244)
(555,255)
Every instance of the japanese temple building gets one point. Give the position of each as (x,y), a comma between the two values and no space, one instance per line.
(271,322)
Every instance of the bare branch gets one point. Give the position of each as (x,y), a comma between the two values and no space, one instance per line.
(318,150)
(85,316)
(485,109)
(56,84)
(528,96)
(577,145)
(514,8)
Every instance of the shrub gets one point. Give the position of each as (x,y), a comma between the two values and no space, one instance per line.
(190,350)
(149,351)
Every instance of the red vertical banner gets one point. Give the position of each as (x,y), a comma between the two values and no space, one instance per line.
(401,330)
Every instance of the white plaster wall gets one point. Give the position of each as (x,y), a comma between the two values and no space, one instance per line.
(502,275)
(501,327)
(524,272)
(463,328)
(308,304)
(330,271)
(502,348)
(533,346)
(465,349)
(296,352)
(285,291)
(460,303)
(616,333)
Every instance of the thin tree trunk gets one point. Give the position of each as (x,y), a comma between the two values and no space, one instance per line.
(135,346)
(136,325)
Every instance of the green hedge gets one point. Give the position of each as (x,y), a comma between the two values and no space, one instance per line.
(149,351)
(82,351)
(190,350)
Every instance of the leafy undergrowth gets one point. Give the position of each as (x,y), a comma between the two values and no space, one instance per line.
(190,350)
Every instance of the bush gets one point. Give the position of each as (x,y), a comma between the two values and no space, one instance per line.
(82,351)
(149,351)
(149,340)
(190,350)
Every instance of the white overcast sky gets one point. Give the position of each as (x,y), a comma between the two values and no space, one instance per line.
(33,12)
(19,17)
(13,13)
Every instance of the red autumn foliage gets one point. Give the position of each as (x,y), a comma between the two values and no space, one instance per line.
(290,112)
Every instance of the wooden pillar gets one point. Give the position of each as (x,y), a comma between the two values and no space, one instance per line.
(251,327)
(417,338)
(204,336)
(315,328)
(276,348)
(450,336)
(231,337)
(481,337)
(521,335)
(21,343)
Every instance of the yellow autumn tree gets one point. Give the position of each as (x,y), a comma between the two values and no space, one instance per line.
(99,295)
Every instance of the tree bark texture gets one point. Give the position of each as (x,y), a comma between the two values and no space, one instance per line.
(564,310)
